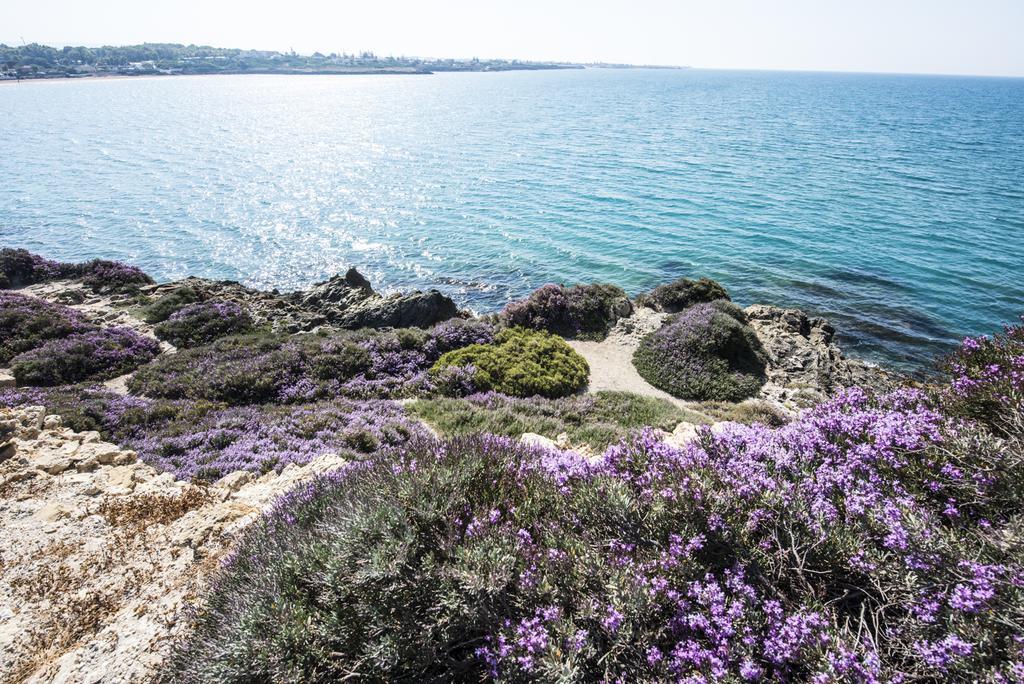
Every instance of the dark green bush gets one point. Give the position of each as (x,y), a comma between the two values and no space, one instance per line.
(201,323)
(254,369)
(27,322)
(92,355)
(708,352)
(521,363)
(581,311)
(162,308)
(682,293)
(19,267)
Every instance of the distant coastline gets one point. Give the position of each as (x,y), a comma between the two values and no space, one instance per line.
(42,62)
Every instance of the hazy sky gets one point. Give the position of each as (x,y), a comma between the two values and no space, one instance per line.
(926,36)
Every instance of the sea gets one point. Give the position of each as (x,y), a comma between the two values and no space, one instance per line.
(892,205)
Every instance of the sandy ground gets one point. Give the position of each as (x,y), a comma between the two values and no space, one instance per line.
(611,360)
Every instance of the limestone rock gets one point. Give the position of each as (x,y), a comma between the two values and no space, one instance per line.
(533,439)
(235,481)
(132,549)
(805,365)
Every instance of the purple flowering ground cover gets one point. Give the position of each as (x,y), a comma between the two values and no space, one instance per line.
(202,322)
(19,267)
(580,311)
(302,368)
(90,355)
(200,440)
(27,322)
(872,539)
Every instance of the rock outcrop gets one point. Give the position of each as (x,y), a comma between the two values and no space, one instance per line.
(348,301)
(343,301)
(101,555)
(805,365)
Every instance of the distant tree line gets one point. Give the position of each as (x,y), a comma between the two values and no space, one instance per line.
(36,60)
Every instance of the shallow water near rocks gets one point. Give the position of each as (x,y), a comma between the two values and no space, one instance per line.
(891,204)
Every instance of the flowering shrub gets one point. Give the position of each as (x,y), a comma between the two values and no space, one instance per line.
(596,420)
(27,322)
(457,333)
(988,379)
(582,311)
(870,540)
(165,305)
(91,355)
(521,363)
(200,441)
(203,322)
(302,368)
(109,276)
(20,267)
(708,352)
(207,440)
(682,294)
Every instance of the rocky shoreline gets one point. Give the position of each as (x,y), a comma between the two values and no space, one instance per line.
(102,554)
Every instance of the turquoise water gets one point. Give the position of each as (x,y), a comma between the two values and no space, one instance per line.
(892,204)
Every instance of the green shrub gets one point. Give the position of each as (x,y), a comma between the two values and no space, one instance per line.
(581,311)
(682,293)
(162,308)
(92,355)
(521,363)
(255,368)
(201,323)
(708,352)
(595,420)
(27,322)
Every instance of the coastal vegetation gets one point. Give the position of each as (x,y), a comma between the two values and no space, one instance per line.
(520,363)
(581,311)
(595,420)
(203,322)
(875,536)
(92,355)
(707,352)
(858,543)
(680,294)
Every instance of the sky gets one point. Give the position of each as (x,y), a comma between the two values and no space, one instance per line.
(984,37)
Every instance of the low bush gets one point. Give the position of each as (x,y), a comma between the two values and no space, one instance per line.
(854,544)
(595,420)
(82,407)
(988,380)
(93,355)
(521,363)
(201,442)
(682,294)
(259,368)
(19,267)
(201,323)
(708,352)
(105,276)
(161,309)
(27,322)
(581,311)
